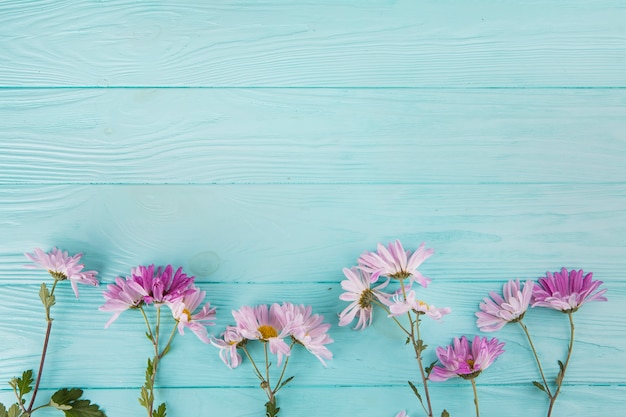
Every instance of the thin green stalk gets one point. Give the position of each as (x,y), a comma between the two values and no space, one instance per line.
(475,396)
(418,353)
(256,368)
(384,307)
(282,374)
(270,394)
(532,346)
(561,375)
(169,342)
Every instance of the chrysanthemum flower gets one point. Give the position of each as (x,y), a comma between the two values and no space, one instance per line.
(307,329)
(394,262)
(508,308)
(62,266)
(121,296)
(361,295)
(183,308)
(461,359)
(169,286)
(261,323)
(565,291)
(228,345)
(399,306)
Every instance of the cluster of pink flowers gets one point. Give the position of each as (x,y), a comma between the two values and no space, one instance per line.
(148,285)
(281,326)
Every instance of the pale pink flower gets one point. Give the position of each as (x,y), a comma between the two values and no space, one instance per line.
(508,308)
(567,292)
(361,295)
(228,345)
(121,296)
(307,329)
(62,266)
(261,323)
(399,306)
(461,359)
(394,262)
(182,311)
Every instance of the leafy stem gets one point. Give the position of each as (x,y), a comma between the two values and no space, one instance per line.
(563,367)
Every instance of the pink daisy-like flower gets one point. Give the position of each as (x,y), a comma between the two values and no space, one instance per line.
(508,308)
(307,329)
(361,296)
(394,262)
(169,286)
(567,292)
(261,323)
(62,266)
(121,296)
(228,344)
(182,310)
(461,359)
(400,306)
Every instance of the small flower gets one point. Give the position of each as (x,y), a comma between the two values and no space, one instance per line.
(182,310)
(169,286)
(508,308)
(307,329)
(399,306)
(121,296)
(395,262)
(62,266)
(361,295)
(261,323)
(567,292)
(228,344)
(461,359)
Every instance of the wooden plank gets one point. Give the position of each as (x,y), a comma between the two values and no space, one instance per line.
(366,402)
(288,233)
(122,349)
(321,43)
(312,136)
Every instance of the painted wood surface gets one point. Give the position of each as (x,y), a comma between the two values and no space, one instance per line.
(264,145)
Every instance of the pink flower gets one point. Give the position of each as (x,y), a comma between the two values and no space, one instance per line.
(121,296)
(461,359)
(361,295)
(261,323)
(169,286)
(228,344)
(567,292)
(400,306)
(395,262)
(402,414)
(307,329)
(62,266)
(182,310)
(508,308)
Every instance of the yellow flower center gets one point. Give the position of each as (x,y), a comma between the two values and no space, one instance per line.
(188,314)
(267,332)
(470,362)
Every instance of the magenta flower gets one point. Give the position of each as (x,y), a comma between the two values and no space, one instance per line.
(395,262)
(361,295)
(508,308)
(62,266)
(307,329)
(461,359)
(121,296)
(229,343)
(182,311)
(399,306)
(567,292)
(261,323)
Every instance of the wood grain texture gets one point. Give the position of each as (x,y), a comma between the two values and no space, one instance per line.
(367,402)
(123,349)
(322,43)
(179,136)
(290,233)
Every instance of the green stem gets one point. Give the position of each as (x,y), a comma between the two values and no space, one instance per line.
(169,342)
(532,346)
(282,374)
(418,354)
(256,368)
(270,394)
(150,335)
(561,376)
(475,396)
(384,307)
(43,353)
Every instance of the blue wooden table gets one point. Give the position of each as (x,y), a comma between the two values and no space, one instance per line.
(264,145)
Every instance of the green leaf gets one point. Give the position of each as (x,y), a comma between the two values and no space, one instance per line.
(144,399)
(3,410)
(285,382)
(561,374)
(420,345)
(84,408)
(445,413)
(64,398)
(270,409)
(159,412)
(430,367)
(417,394)
(23,385)
(540,386)
(408,340)
(14,411)
(47,299)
